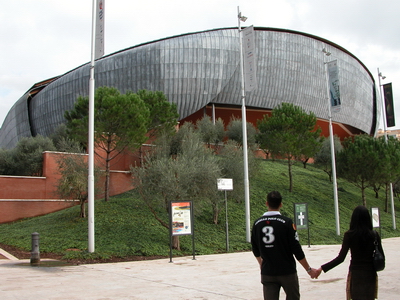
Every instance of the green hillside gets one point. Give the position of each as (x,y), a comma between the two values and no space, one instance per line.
(124,226)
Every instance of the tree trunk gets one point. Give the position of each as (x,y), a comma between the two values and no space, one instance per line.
(305,161)
(216,211)
(387,198)
(83,211)
(107,181)
(364,200)
(290,175)
(176,243)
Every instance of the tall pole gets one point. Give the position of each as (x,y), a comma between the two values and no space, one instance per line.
(386,140)
(335,194)
(91,138)
(244,127)
(333,159)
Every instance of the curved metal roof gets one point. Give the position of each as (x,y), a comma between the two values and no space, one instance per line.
(196,69)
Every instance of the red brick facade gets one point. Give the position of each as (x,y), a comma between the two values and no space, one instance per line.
(24,197)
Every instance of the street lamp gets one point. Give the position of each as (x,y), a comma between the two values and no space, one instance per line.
(244,128)
(241,18)
(386,140)
(326,52)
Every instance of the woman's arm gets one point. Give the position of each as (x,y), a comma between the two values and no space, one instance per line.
(341,256)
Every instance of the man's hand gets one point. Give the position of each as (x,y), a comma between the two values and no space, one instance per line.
(314,273)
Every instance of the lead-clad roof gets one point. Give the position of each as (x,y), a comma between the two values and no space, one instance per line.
(197,69)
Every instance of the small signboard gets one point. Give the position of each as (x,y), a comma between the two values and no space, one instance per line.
(301,218)
(181,218)
(375,217)
(301,215)
(225,184)
(181,222)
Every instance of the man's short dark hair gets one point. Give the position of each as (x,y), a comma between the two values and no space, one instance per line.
(274,199)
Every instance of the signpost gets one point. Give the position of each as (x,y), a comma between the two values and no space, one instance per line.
(181,221)
(376,219)
(301,218)
(225,184)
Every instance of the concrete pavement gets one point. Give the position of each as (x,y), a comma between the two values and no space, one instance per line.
(214,277)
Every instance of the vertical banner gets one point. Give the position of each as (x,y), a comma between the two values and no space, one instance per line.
(249,58)
(333,81)
(99,43)
(389,108)
(181,218)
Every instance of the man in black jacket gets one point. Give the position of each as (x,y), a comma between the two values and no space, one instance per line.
(274,242)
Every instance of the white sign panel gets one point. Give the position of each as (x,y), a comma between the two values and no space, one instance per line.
(225,184)
(375,217)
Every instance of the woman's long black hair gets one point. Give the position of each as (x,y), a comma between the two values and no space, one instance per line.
(361,223)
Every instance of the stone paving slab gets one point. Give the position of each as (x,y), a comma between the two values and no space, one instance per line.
(213,277)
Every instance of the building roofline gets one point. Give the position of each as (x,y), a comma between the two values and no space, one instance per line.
(257,28)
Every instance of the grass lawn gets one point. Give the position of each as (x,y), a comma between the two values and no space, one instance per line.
(125,227)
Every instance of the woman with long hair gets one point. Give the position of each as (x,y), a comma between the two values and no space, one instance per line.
(362,280)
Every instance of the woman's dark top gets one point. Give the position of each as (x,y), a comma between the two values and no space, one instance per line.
(361,248)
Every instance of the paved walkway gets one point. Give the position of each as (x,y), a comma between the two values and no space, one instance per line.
(214,277)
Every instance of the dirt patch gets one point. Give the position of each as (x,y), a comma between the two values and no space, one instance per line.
(22,254)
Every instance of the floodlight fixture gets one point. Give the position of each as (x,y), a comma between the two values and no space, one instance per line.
(327,53)
(242,18)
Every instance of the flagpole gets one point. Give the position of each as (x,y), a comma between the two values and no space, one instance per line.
(91,242)
(333,159)
(386,140)
(244,128)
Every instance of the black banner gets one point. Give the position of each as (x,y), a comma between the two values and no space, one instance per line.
(389,108)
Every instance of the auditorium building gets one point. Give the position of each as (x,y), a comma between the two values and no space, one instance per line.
(200,72)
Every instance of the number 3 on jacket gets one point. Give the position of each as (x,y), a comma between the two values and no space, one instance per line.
(269,236)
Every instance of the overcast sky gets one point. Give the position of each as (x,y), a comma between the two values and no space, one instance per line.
(41,39)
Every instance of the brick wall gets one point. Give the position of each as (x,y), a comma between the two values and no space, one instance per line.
(25,196)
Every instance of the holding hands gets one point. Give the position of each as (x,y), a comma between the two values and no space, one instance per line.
(314,273)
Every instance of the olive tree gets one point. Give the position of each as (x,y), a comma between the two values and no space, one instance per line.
(211,133)
(26,159)
(73,183)
(176,169)
(234,131)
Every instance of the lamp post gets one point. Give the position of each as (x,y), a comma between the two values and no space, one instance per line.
(386,140)
(244,127)
(335,194)
(91,243)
